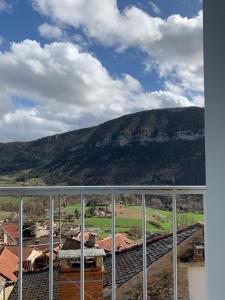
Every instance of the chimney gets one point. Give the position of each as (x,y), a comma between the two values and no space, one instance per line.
(69,274)
(198,252)
(92,240)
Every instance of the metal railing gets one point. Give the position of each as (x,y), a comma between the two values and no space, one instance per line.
(82,191)
(2,290)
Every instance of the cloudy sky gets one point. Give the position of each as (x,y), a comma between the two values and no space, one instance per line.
(67,64)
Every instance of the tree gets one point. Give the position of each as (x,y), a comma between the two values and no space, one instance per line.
(77,213)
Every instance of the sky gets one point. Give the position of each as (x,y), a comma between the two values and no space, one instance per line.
(69,64)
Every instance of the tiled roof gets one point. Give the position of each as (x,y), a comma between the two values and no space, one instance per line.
(87,235)
(12,230)
(72,244)
(43,247)
(122,242)
(35,286)
(8,265)
(15,250)
(129,261)
(128,264)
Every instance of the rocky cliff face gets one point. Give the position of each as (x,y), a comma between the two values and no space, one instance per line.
(151,147)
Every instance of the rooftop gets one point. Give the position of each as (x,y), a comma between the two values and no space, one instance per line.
(74,244)
(129,262)
(8,265)
(27,251)
(87,235)
(11,230)
(122,242)
(92,252)
(35,286)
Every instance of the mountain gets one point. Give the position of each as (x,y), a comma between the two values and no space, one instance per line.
(164,146)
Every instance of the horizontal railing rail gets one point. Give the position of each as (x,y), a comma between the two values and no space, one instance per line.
(59,191)
(99,190)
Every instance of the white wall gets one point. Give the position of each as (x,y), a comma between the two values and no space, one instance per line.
(214,54)
(197,283)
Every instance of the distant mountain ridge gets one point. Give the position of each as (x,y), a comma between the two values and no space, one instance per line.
(164,146)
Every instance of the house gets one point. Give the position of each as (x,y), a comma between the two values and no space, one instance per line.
(44,247)
(35,286)
(69,274)
(122,242)
(8,272)
(74,244)
(9,234)
(32,233)
(69,231)
(71,244)
(89,238)
(129,266)
(42,261)
(8,265)
(99,213)
(75,233)
(29,255)
(66,278)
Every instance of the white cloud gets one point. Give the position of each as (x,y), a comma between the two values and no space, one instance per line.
(5,103)
(155,8)
(14,126)
(173,45)
(107,24)
(50,31)
(4,5)
(70,88)
(57,33)
(198,100)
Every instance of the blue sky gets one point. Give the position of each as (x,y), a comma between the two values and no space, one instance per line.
(64,66)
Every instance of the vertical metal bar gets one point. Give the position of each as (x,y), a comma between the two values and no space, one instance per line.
(205,234)
(113,247)
(60,223)
(145,286)
(174,199)
(21,248)
(82,204)
(4,296)
(51,232)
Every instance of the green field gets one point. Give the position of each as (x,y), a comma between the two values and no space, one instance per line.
(7,180)
(190,216)
(130,217)
(4,215)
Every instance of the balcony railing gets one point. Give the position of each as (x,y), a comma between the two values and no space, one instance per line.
(54,191)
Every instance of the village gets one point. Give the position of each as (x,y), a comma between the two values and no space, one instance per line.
(98,252)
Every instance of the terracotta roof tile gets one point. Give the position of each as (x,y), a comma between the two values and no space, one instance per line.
(15,250)
(122,242)
(87,235)
(8,264)
(11,230)
(128,264)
